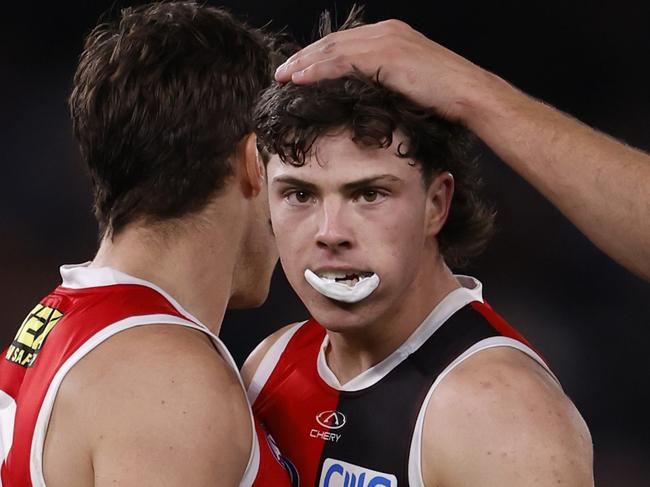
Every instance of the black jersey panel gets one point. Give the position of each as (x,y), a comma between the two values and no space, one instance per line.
(380,420)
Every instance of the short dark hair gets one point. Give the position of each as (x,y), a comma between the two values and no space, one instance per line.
(289,118)
(161,97)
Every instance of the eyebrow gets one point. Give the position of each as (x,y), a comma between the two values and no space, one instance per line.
(291,181)
(347,187)
(371,181)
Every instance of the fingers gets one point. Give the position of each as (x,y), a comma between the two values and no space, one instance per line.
(333,46)
(334,38)
(326,48)
(327,69)
(313,62)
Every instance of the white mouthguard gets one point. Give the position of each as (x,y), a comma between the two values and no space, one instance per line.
(343,292)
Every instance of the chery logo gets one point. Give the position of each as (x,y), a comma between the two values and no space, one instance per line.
(331,419)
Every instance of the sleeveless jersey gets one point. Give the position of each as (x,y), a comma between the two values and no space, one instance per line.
(90,306)
(368,432)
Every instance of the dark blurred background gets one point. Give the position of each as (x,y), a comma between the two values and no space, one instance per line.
(589,316)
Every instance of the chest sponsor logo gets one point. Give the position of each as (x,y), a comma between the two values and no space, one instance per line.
(325,435)
(337,473)
(32,334)
(331,419)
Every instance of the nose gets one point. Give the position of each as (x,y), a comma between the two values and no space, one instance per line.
(333,232)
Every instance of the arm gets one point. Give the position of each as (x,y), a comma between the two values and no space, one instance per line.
(499,419)
(600,184)
(158,406)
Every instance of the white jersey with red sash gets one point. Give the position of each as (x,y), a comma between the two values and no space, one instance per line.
(368,432)
(90,306)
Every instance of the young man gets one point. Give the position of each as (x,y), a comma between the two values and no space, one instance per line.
(404,375)
(117,377)
(600,184)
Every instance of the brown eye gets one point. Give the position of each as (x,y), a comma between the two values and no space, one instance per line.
(370,196)
(298,197)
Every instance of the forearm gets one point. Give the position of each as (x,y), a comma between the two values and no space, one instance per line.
(600,184)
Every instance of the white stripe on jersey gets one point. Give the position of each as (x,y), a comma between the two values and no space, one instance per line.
(268,363)
(7,416)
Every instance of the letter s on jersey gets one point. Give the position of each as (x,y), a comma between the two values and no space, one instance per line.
(337,473)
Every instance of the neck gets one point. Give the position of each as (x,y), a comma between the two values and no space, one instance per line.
(195,267)
(351,353)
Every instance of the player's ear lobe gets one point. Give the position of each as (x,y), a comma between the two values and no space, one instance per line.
(439,196)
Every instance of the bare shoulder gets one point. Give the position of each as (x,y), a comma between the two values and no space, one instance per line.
(257,355)
(158,405)
(500,419)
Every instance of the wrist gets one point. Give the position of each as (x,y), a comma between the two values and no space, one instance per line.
(486,99)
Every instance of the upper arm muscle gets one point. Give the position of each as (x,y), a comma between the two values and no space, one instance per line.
(500,420)
(160,407)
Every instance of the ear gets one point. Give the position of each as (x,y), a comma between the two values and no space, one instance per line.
(439,196)
(249,166)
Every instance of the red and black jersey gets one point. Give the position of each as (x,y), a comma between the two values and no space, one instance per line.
(367,432)
(90,306)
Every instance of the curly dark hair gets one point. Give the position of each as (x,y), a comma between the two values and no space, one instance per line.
(161,97)
(289,118)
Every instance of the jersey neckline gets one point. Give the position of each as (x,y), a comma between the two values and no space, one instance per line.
(471,290)
(82,276)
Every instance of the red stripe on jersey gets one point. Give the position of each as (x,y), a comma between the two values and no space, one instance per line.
(295,390)
(501,325)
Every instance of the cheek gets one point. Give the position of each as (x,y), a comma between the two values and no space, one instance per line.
(279,223)
(294,271)
(289,241)
(397,244)
(281,228)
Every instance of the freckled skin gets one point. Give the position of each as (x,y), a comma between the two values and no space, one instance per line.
(520,431)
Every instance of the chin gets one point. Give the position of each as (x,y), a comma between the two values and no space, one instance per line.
(339,317)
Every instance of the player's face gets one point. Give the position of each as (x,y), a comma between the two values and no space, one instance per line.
(353,211)
(257,258)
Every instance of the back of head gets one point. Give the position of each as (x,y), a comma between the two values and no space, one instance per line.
(289,118)
(161,97)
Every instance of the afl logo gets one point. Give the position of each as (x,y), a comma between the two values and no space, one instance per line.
(331,419)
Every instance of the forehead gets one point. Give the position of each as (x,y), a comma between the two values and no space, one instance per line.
(336,158)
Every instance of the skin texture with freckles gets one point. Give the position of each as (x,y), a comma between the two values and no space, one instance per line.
(498,419)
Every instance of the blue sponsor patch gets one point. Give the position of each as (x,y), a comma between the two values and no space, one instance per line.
(337,473)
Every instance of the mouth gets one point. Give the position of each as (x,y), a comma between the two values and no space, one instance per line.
(347,278)
(347,286)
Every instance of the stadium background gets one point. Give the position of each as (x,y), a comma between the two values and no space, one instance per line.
(589,316)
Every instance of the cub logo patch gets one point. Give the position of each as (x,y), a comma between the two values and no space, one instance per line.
(32,334)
